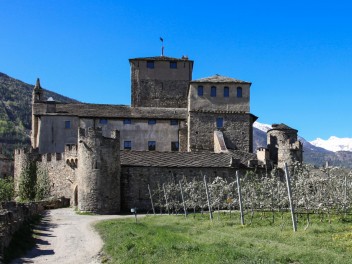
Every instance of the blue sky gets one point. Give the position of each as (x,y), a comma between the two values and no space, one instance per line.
(297,55)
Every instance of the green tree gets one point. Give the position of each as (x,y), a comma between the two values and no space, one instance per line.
(6,190)
(28,180)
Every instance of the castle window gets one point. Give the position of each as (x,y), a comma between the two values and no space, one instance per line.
(200,90)
(150,64)
(127,121)
(219,122)
(103,121)
(175,146)
(173,65)
(226,91)
(239,92)
(213,91)
(127,144)
(152,121)
(67,124)
(151,145)
(173,122)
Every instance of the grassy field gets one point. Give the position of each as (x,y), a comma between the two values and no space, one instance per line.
(174,239)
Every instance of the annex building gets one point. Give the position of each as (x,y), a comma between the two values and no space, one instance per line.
(103,157)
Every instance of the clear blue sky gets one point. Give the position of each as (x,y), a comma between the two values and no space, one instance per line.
(298,55)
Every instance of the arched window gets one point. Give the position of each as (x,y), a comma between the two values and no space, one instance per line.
(213,91)
(226,91)
(239,92)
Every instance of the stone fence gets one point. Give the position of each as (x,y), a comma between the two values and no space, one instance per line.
(13,215)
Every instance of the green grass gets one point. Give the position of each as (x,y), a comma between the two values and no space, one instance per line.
(174,239)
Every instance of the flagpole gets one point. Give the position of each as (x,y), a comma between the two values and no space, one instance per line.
(162,46)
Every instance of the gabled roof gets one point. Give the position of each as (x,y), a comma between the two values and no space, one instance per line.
(219,79)
(281,127)
(111,111)
(183,159)
(161,58)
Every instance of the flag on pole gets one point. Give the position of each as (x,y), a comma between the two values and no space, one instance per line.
(161,39)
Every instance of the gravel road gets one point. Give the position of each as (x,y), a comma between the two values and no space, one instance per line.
(66,237)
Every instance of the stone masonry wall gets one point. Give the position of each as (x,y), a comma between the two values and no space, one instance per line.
(237,130)
(135,180)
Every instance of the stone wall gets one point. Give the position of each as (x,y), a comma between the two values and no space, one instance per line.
(13,215)
(135,180)
(237,130)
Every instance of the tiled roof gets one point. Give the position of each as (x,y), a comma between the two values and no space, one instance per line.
(183,159)
(112,111)
(281,127)
(219,79)
(161,58)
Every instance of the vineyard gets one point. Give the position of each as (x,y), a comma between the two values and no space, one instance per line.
(323,192)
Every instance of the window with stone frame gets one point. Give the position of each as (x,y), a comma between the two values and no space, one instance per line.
(103,121)
(173,122)
(150,64)
(127,144)
(213,91)
(239,92)
(200,90)
(219,122)
(127,121)
(151,121)
(175,146)
(226,91)
(151,145)
(67,124)
(173,64)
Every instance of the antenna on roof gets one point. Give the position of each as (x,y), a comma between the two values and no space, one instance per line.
(162,46)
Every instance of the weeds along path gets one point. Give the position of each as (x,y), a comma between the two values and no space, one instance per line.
(66,237)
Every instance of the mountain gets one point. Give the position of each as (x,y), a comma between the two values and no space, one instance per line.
(312,154)
(16,111)
(334,144)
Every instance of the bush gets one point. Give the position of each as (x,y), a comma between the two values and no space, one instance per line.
(6,190)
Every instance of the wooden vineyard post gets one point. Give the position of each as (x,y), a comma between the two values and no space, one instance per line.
(151,199)
(239,197)
(288,183)
(167,203)
(183,200)
(208,198)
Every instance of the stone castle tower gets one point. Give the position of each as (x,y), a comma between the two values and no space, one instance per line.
(98,172)
(283,145)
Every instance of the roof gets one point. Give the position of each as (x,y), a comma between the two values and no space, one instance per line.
(162,58)
(183,159)
(219,79)
(281,127)
(111,111)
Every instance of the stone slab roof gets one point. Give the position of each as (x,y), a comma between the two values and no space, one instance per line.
(183,159)
(112,111)
(161,58)
(281,127)
(219,79)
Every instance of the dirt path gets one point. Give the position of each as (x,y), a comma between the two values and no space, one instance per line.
(66,237)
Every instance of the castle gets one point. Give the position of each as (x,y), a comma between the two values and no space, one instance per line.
(103,157)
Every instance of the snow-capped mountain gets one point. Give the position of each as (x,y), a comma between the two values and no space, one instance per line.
(334,144)
(262,127)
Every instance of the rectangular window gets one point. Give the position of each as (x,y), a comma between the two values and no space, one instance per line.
(173,122)
(174,146)
(103,121)
(151,145)
(173,65)
(127,144)
(152,121)
(213,91)
(239,92)
(67,124)
(219,122)
(150,64)
(226,91)
(127,121)
(200,90)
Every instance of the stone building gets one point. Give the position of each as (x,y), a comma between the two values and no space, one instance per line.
(103,157)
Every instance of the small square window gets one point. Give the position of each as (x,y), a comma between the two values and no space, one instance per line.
(151,145)
(173,65)
(67,124)
(219,122)
(226,91)
(239,92)
(175,146)
(103,121)
(213,91)
(173,122)
(127,121)
(200,90)
(127,144)
(152,121)
(150,64)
